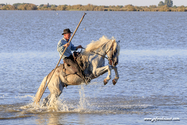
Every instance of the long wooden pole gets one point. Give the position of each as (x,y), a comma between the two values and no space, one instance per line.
(37,100)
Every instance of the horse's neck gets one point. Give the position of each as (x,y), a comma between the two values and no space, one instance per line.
(103,50)
(97,53)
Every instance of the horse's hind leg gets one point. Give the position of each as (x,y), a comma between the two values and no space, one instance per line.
(46,100)
(50,99)
(56,88)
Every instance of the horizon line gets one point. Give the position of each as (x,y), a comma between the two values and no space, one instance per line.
(84,4)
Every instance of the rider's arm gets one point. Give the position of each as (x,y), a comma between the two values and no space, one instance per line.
(60,46)
(73,47)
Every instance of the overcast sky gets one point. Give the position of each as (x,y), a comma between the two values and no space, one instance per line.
(96,2)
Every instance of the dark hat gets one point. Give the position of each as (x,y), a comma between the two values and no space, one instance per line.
(66,31)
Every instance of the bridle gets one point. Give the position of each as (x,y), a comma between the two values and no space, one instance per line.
(110,60)
(111,47)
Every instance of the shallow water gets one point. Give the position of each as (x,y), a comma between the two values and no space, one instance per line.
(152,68)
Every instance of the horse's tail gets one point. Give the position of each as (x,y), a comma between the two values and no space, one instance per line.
(40,91)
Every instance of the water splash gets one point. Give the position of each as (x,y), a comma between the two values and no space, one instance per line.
(82,101)
(93,105)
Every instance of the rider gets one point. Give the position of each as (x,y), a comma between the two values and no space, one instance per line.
(68,57)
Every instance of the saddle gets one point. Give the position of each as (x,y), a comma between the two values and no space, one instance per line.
(81,60)
(82,63)
(76,55)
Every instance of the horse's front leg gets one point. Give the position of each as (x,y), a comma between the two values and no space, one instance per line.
(116,76)
(109,75)
(100,71)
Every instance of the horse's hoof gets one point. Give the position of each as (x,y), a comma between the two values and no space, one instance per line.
(114,82)
(105,81)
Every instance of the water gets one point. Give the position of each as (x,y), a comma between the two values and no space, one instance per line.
(152,68)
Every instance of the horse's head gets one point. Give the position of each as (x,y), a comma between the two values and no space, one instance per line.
(113,53)
(105,46)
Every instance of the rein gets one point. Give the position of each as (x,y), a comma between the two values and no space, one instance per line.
(97,53)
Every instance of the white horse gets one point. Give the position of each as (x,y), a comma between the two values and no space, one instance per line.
(93,59)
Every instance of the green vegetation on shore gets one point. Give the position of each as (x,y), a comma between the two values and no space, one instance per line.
(161,7)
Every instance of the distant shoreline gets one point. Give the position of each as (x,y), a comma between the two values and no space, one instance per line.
(90,7)
(92,11)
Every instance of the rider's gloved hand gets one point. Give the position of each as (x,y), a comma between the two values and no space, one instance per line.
(79,47)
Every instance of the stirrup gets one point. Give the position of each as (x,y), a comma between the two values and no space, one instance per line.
(87,80)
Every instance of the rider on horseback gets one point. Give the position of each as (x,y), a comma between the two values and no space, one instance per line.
(68,57)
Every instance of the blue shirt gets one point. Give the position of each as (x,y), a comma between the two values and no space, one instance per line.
(60,48)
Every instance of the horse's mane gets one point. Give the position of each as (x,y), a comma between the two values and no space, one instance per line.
(97,44)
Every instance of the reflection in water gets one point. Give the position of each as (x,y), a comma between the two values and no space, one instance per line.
(48,118)
(54,119)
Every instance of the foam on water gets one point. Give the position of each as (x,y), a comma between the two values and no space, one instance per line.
(82,105)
